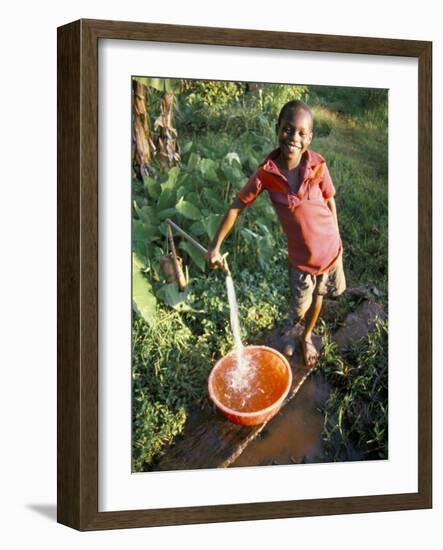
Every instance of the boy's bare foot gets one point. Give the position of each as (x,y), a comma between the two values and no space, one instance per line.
(310,353)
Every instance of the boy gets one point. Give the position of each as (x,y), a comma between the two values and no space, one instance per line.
(302,194)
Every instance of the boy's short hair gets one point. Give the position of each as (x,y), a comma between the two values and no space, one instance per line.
(294,105)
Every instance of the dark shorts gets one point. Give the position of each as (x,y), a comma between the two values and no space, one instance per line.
(304,286)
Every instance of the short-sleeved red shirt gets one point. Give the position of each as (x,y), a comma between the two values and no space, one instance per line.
(313,238)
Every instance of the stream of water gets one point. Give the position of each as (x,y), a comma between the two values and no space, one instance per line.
(241,375)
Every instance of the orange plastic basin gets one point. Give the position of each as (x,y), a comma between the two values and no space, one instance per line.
(258,394)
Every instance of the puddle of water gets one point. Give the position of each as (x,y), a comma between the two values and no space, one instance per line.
(294,435)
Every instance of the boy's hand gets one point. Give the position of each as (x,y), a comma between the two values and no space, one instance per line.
(213,258)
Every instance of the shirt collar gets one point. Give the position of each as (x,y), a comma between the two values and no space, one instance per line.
(306,165)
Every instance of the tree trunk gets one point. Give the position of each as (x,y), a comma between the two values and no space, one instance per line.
(168,152)
(142,144)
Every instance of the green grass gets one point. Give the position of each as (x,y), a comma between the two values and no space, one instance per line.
(173,357)
(355,426)
(357,160)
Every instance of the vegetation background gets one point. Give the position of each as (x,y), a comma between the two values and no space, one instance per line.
(195,143)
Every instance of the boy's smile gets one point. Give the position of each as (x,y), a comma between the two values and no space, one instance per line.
(294,136)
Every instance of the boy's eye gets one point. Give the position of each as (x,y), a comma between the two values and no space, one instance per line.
(290,130)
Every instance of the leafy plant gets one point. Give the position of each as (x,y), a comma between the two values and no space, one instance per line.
(143,298)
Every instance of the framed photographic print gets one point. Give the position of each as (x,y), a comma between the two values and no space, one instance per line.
(249,391)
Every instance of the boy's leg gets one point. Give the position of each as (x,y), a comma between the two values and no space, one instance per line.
(302,287)
(310,353)
(332,283)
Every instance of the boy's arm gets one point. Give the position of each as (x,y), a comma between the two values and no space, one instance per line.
(332,207)
(213,256)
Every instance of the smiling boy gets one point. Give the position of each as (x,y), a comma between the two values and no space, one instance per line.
(302,194)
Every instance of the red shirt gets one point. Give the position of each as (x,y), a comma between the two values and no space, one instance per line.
(313,238)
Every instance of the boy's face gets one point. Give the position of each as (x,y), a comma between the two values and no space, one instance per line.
(294,135)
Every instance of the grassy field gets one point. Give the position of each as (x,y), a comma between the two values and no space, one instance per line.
(177,337)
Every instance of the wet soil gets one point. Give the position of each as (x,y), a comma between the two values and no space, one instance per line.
(294,435)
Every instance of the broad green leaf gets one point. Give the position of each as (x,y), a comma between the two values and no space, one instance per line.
(168,195)
(137,262)
(168,213)
(263,227)
(143,250)
(193,161)
(137,186)
(269,214)
(197,229)
(171,85)
(173,174)
(228,172)
(238,174)
(142,79)
(215,201)
(156,83)
(186,147)
(152,186)
(188,210)
(137,210)
(143,232)
(163,177)
(231,158)
(208,168)
(170,294)
(147,214)
(158,251)
(143,299)
(185,179)
(253,162)
(265,250)
(167,198)
(249,235)
(181,192)
(232,172)
(193,198)
(211,224)
(267,246)
(194,253)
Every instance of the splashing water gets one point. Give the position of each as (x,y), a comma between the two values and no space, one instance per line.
(240,376)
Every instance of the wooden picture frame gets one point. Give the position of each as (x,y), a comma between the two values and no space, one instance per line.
(77,454)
